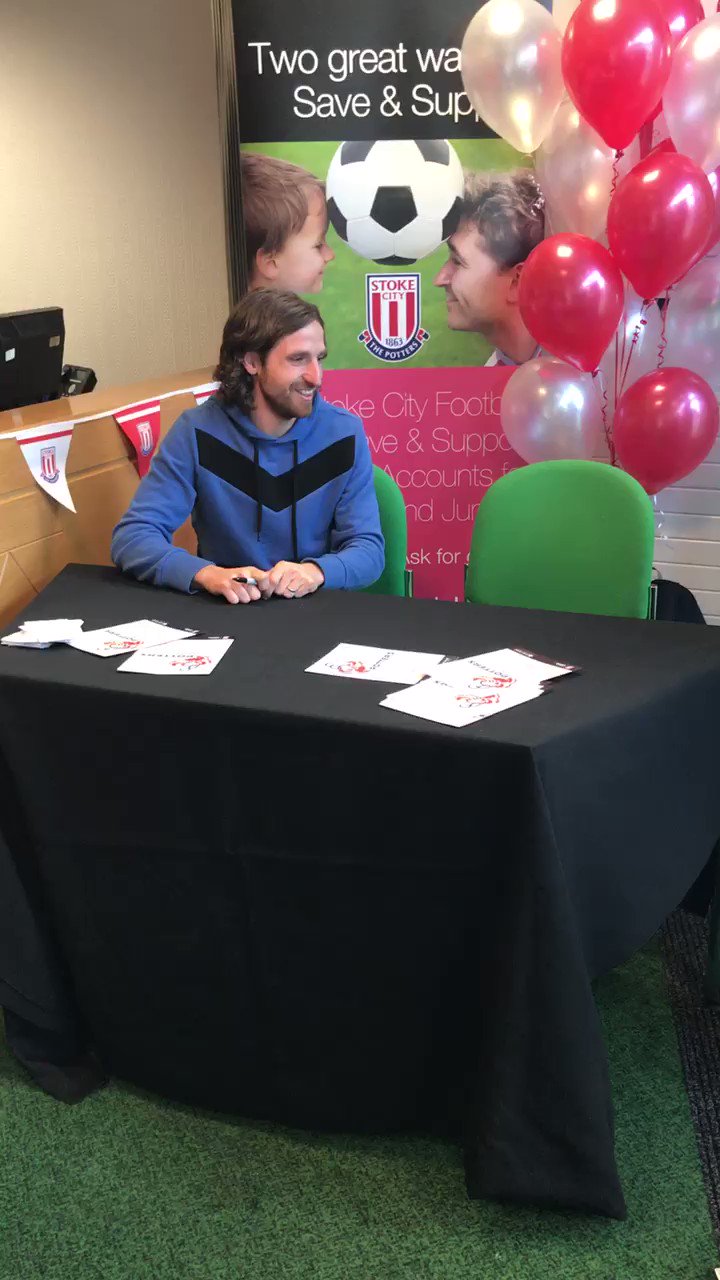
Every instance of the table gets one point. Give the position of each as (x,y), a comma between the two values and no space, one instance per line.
(262,892)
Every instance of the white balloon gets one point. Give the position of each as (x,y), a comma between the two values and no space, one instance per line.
(550,410)
(691,100)
(511,70)
(575,170)
(693,322)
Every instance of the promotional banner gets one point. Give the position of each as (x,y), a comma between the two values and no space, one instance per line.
(141,424)
(360,113)
(46,449)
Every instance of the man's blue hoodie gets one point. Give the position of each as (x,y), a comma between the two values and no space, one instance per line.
(256,499)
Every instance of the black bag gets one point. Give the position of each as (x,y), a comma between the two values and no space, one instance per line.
(674,603)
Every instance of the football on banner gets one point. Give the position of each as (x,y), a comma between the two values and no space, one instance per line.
(394,202)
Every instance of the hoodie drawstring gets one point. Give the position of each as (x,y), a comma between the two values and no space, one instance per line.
(258,489)
(259,495)
(294,501)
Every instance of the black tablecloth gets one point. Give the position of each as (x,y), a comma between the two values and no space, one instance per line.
(272,896)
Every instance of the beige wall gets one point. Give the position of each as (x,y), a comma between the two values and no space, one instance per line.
(110,180)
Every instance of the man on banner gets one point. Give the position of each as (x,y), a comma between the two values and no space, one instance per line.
(286,223)
(279,482)
(501,221)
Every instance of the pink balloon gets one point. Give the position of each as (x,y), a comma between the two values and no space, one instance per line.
(659,221)
(691,99)
(680,16)
(665,425)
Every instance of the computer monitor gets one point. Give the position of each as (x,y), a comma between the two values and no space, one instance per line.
(31,356)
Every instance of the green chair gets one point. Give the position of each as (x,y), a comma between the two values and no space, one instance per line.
(396,580)
(569,535)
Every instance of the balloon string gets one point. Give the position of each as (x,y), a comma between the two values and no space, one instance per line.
(636,334)
(616,173)
(605,417)
(617,359)
(662,345)
(616,168)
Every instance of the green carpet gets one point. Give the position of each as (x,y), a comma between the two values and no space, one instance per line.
(128,1187)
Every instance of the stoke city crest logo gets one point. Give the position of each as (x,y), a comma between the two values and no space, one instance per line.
(146,438)
(393,331)
(48,464)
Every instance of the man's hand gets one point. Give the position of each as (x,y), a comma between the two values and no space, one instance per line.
(221,582)
(288,579)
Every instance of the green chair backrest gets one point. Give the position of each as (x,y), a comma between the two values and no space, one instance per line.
(393,520)
(569,535)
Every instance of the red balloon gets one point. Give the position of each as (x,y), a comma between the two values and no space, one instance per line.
(714,179)
(659,221)
(666,147)
(616,61)
(571,298)
(666,423)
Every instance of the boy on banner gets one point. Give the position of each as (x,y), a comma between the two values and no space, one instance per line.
(286,223)
(279,482)
(501,221)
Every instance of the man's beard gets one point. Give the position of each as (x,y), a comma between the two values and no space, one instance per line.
(282,405)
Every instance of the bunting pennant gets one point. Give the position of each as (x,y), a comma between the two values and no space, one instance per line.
(141,424)
(205,391)
(46,449)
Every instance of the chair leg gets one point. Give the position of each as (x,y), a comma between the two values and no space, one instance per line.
(712,969)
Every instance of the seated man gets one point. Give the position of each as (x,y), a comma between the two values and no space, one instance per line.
(278,481)
(501,222)
(285,225)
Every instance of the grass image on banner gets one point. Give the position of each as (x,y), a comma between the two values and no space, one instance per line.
(342,300)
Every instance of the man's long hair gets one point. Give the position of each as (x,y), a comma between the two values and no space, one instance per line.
(258,322)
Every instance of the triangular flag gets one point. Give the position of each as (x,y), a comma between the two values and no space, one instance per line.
(141,424)
(46,449)
(204,392)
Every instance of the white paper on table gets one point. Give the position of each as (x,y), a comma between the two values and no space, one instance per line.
(179,658)
(365,662)
(502,669)
(108,642)
(444,704)
(42,633)
(19,640)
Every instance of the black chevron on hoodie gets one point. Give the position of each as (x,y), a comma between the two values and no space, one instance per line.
(277,491)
